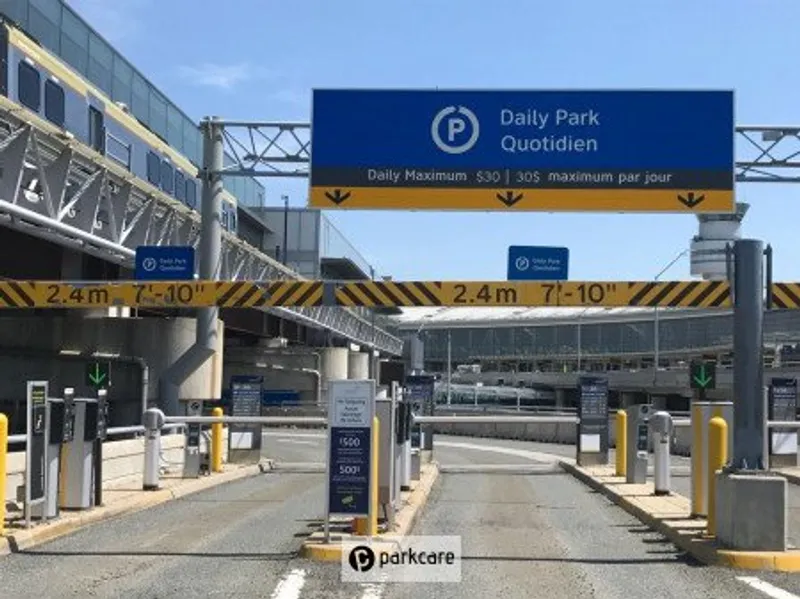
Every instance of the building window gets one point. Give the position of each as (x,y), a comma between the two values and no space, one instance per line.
(28,83)
(191,194)
(180,186)
(97,131)
(153,168)
(54,102)
(167,177)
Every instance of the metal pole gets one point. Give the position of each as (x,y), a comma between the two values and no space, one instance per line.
(211,226)
(656,350)
(449,367)
(748,359)
(285,228)
(579,341)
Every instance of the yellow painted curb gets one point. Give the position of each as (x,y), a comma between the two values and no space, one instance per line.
(405,520)
(321,552)
(42,533)
(702,549)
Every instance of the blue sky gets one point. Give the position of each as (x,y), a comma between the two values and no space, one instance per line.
(252,59)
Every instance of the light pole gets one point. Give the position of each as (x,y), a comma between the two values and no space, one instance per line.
(449,366)
(656,350)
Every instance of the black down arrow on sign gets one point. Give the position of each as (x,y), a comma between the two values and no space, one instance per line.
(690,200)
(337,196)
(509,198)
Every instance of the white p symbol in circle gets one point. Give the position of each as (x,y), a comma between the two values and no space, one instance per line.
(457,117)
(454,127)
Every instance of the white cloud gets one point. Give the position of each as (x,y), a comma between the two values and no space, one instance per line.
(224,77)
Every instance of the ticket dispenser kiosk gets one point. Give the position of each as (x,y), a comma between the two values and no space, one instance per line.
(385,411)
(79,460)
(638,442)
(58,415)
(409,419)
(399,435)
(192,458)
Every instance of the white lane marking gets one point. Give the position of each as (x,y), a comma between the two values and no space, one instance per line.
(298,442)
(373,591)
(290,586)
(536,456)
(767,588)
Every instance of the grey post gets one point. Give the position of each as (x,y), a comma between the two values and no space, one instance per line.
(748,358)
(153,421)
(210,265)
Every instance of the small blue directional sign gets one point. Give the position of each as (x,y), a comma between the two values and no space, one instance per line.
(548,150)
(538,263)
(164,263)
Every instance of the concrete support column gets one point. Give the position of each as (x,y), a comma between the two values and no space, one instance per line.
(358,365)
(561,398)
(334,367)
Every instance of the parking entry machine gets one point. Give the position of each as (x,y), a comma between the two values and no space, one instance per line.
(78,471)
(192,457)
(58,429)
(638,441)
(385,411)
(399,435)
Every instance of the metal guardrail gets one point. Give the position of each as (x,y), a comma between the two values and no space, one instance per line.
(178,422)
(112,432)
(247,419)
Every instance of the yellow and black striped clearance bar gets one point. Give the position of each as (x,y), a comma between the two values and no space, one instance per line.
(255,294)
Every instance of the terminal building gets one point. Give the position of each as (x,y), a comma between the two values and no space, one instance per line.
(98,161)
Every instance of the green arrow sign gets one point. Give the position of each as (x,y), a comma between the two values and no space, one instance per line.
(98,375)
(703,375)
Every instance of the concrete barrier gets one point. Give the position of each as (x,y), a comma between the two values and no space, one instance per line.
(121,460)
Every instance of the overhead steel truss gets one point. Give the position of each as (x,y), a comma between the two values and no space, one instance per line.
(56,188)
(765,154)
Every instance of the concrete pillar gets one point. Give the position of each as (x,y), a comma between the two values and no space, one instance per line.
(334,367)
(358,365)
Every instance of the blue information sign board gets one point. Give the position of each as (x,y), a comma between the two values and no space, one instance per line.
(352,409)
(537,263)
(592,150)
(164,263)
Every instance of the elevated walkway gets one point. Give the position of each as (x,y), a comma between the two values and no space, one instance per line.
(56,188)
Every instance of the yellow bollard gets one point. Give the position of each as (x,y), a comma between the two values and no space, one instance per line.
(622,443)
(3,463)
(369,526)
(216,442)
(717,458)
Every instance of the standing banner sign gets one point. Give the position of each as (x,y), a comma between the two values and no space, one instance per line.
(351,411)
(593,428)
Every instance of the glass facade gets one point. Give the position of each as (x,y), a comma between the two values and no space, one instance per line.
(335,245)
(59,29)
(602,338)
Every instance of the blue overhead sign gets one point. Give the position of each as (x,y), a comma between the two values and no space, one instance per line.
(537,263)
(610,151)
(164,263)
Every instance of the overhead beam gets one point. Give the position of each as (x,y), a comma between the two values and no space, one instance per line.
(311,294)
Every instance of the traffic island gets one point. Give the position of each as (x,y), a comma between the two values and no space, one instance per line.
(118,501)
(669,516)
(411,504)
